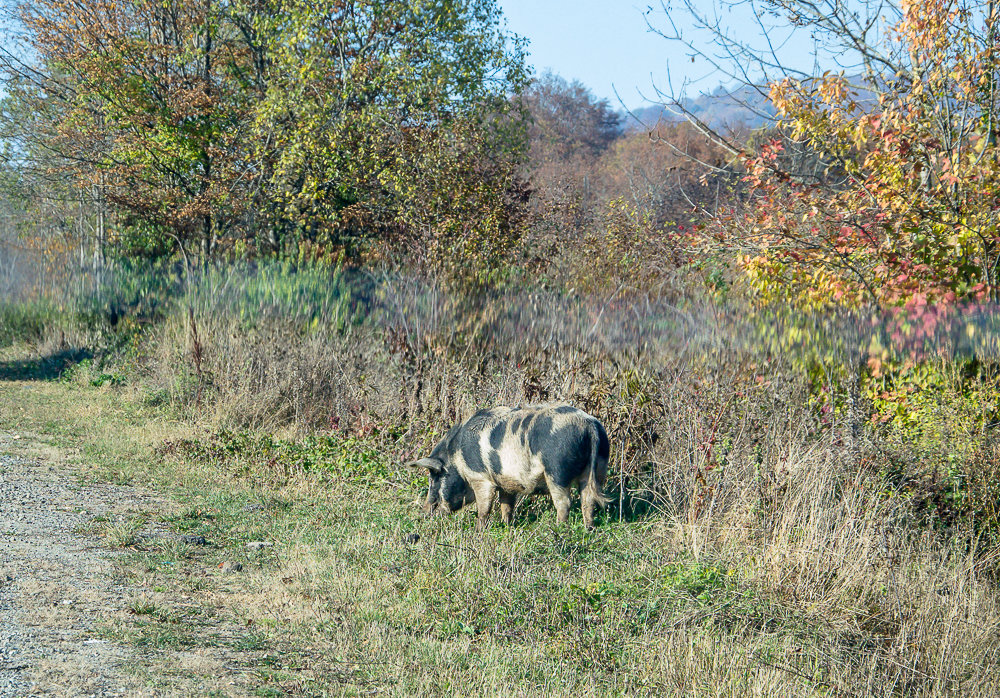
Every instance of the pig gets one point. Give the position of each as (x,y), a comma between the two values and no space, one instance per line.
(506,452)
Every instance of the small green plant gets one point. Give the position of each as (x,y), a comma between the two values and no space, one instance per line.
(86,371)
(124,532)
(142,607)
(251,642)
(342,456)
(700,582)
(173,550)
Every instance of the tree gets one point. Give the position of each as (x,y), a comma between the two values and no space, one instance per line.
(662,172)
(566,120)
(607,205)
(568,131)
(274,122)
(880,188)
(380,112)
(150,102)
(45,211)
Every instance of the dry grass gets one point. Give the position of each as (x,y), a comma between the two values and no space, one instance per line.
(751,550)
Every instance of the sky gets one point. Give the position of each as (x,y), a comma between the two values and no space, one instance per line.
(607,45)
(603,43)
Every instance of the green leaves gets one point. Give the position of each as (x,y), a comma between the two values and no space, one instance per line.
(383,115)
(364,126)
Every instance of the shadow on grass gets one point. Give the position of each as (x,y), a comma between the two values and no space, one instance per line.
(632,510)
(43,368)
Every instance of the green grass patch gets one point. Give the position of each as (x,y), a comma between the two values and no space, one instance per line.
(341,598)
(27,321)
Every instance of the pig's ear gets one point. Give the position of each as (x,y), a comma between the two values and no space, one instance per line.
(432,464)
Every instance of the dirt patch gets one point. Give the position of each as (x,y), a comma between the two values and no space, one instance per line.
(59,585)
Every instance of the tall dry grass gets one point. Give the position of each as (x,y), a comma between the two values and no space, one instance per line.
(861,567)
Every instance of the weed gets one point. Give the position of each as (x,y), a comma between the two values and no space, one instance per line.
(173,550)
(251,642)
(142,607)
(124,532)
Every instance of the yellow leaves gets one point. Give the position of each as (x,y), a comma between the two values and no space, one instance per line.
(920,160)
(780,93)
(833,89)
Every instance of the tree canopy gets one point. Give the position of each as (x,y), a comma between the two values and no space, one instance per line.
(216,127)
(879,184)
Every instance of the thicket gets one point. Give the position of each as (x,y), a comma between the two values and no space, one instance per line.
(727,429)
(692,391)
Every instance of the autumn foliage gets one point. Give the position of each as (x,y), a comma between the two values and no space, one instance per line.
(401,133)
(882,189)
(215,129)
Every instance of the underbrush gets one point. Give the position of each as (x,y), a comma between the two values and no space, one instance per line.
(264,456)
(685,424)
(769,533)
(34,322)
(694,395)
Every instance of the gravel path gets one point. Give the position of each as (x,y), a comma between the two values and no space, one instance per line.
(57,584)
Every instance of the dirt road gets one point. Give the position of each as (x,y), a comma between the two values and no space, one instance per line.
(57,582)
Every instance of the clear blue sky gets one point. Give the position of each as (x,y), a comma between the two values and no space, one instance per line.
(606,44)
(603,43)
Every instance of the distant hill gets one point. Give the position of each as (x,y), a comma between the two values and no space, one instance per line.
(723,108)
(742,107)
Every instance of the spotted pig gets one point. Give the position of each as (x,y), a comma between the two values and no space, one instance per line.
(505,452)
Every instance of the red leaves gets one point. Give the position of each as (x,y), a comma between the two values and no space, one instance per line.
(770,150)
(912,216)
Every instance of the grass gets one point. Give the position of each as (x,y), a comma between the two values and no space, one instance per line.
(816,600)
(122,533)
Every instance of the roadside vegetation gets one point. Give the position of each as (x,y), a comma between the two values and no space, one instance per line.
(788,333)
(750,546)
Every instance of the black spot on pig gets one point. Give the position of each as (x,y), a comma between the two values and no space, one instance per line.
(565,453)
(471,453)
(603,445)
(446,445)
(539,433)
(478,421)
(497,434)
(455,491)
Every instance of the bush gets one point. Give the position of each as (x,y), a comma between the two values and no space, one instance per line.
(26,321)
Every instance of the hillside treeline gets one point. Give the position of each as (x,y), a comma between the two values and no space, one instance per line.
(400,134)
(383,132)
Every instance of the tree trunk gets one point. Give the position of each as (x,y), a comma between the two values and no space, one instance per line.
(100,236)
(206,241)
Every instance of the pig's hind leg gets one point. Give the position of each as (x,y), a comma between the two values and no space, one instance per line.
(507,500)
(561,498)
